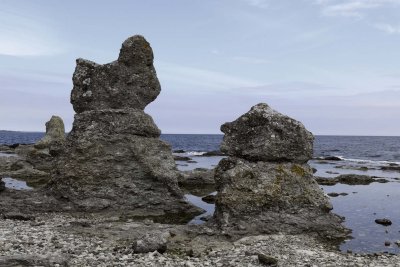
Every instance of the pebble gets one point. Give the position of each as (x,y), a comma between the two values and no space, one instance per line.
(19,238)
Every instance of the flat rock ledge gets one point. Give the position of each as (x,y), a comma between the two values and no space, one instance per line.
(65,240)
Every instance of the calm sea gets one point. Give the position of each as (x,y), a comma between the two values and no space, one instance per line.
(373,148)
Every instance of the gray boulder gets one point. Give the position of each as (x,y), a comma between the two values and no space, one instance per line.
(152,241)
(263,134)
(129,82)
(265,186)
(113,158)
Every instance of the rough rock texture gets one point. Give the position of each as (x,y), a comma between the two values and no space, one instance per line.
(129,82)
(113,158)
(263,134)
(267,187)
(55,133)
(42,154)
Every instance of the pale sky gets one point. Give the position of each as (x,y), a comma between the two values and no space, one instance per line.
(332,64)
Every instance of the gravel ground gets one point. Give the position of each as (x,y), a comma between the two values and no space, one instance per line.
(51,240)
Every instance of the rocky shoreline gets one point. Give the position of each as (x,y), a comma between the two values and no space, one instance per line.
(90,240)
(110,193)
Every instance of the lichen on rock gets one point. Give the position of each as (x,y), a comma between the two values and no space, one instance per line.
(265,185)
(113,158)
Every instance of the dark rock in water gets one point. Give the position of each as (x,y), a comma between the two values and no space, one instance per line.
(197,176)
(129,82)
(113,157)
(267,260)
(383,221)
(180,158)
(213,153)
(2,185)
(265,183)
(206,218)
(191,161)
(153,241)
(350,179)
(326,181)
(390,168)
(179,151)
(263,134)
(209,199)
(387,243)
(330,158)
(314,170)
(333,194)
(13,146)
(343,194)
(354,179)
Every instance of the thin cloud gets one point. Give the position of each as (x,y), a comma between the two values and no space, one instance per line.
(258,3)
(250,60)
(23,36)
(388,28)
(200,78)
(352,8)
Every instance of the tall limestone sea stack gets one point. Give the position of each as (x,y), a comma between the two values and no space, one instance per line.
(113,157)
(266,185)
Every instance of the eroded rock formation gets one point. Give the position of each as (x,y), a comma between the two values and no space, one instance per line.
(265,185)
(113,156)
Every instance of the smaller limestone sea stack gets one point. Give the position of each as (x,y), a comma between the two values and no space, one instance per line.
(113,157)
(265,185)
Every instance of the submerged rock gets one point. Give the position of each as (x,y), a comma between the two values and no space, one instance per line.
(263,134)
(113,156)
(383,221)
(267,186)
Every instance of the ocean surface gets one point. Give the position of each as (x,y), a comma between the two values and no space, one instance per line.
(359,155)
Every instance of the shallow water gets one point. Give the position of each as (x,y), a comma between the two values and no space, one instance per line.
(16,184)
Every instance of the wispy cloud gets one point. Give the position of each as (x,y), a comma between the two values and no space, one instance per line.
(258,3)
(388,28)
(250,60)
(24,36)
(197,78)
(352,8)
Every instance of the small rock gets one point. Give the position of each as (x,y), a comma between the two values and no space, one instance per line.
(18,216)
(179,151)
(180,158)
(156,241)
(333,194)
(213,153)
(209,199)
(387,243)
(267,260)
(383,221)
(2,185)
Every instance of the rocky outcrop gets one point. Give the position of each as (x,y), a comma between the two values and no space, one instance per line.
(55,134)
(263,134)
(42,154)
(113,156)
(267,186)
